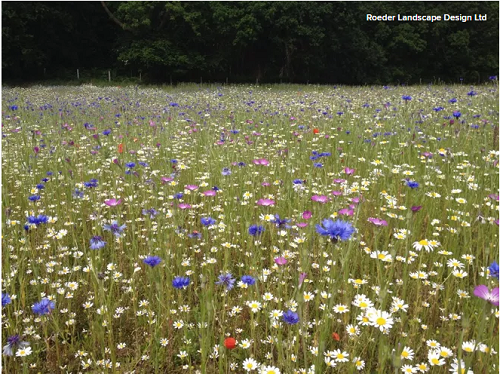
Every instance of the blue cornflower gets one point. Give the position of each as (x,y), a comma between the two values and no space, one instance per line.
(226,171)
(452,101)
(438,109)
(40,186)
(290,317)
(247,279)
(226,280)
(45,306)
(106,132)
(91,184)
(318,165)
(195,235)
(472,93)
(255,230)
(325,154)
(14,342)
(406,97)
(152,212)
(336,230)
(77,194)
(207,221)
(115,228)
(38,220)
(412,184)
(241,164)
(234,132)
(280,222)
(152,261)
(493,77)
(457,114)
(180,282)
(13,107)
(143,164)
(173,161)
(174,104)
(6,300)
(298,181)
(493,271)
(96,242)
(34,198)
(178,195)
(49,173)
(45,180)
(130,165)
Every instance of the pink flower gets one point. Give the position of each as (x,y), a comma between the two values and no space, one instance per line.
(261,161)
(302,277)
(112,202)
(346,212)
(355,200)
(484,293)
(302,224)
(280,260)
(265,184)
(377,221)
(349,171)
(184,206)
(307,214)
(191,187)
(338,180)
(320,198)
(265,202)
(336,193)
(166,179)
(209,193)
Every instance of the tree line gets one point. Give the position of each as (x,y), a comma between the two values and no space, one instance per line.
(268,42)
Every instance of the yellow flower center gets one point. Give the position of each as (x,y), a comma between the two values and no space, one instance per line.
(381,321)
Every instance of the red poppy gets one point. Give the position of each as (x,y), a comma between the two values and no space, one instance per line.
(336,336)
(120,148)
(316,131)
(230,343)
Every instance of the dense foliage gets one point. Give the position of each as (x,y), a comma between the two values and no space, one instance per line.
(317,42)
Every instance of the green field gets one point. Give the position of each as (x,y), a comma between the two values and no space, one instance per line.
(349,229)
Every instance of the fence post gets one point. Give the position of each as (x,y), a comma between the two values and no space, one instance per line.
(109,75)
(78,74)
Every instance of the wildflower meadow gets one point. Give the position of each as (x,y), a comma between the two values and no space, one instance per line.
(261,229)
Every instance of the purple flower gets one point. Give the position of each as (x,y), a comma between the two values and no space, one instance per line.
(484,293)
(377,221)
(306,214)
(416,208)
(226,280)
(349,171)
(226,171)
(152,261)
(45,306)
(290,317)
